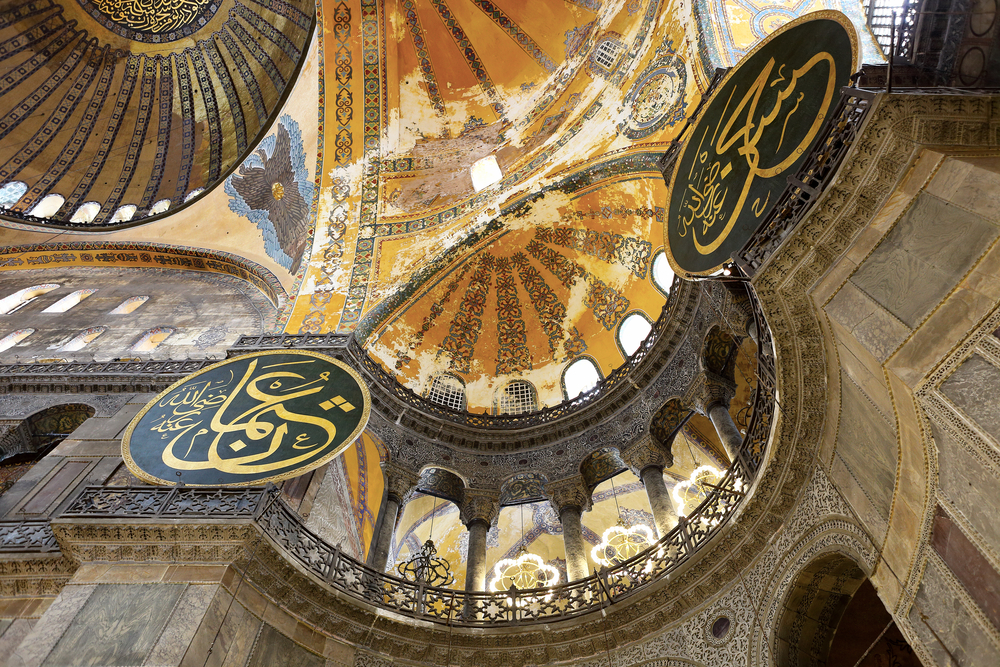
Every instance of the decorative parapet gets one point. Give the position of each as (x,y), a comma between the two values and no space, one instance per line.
(27,537)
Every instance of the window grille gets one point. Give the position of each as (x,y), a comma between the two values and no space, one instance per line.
(86,212)
(124,213)
(880,20)
(11,193)
(516,398)
(447,390)
(607,53)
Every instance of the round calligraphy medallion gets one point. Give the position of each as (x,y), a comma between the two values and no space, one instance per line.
(656,99)
(145,21)
(755,131)
(257,418)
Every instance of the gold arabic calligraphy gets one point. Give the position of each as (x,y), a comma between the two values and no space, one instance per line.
(156,16)
(202,411)
(704,203)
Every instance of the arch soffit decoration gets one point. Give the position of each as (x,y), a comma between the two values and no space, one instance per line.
(143,256)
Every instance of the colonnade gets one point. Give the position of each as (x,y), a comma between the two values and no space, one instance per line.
(570,497)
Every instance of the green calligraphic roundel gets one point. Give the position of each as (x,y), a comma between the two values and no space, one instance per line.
(755,131)
(261,417)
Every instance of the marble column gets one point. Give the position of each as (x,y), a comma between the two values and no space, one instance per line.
(728,432)
(712,398)
(399,482)
(647,459)
(475,564)
(664,514)
(576,548)
(570,498)
(478,510)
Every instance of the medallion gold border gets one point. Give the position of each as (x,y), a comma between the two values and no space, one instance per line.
(827,14)
(350,440)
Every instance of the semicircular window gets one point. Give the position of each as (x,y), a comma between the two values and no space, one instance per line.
(663,275)
(447,390)
(580,376)
(633,330)
(516,397)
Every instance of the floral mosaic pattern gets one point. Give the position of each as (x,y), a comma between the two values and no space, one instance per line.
(272,189)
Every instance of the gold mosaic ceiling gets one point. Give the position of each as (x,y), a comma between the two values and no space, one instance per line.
(122,102)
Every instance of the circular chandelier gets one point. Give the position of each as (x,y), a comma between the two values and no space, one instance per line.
(693,491)
(528,570)
(426,567)
(621,542)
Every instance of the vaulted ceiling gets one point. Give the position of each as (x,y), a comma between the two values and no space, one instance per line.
(111,102)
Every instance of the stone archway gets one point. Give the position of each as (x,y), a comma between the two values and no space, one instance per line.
(832,616)
(23,442)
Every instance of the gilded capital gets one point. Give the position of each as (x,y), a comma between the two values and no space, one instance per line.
(646,453)
(399,481)
(710,388)
(479,504)
(569,492)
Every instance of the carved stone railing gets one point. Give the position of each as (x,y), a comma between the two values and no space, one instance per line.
(27,537)
(804,188)
(166,502)
(103,376)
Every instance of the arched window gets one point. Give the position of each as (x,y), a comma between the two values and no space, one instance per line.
(607,53)
(580,376)
(48,207)
(10,340)
(447,390)
(11,193)
(22,298)
(194,193)
(633,329)
(129,305)
(516,397)
(82,339)
(151,339)
(663,275)
(68,301)
(86,213)
(159,207)
(124,213)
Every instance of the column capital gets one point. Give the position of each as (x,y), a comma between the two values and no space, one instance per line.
(399,481)
(646,454)
(709,389)
(569,492)
(479,504)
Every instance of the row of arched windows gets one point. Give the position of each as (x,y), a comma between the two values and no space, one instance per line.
(21,298)
(50,204)
(147,342)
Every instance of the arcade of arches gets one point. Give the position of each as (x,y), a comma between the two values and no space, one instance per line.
(795,461)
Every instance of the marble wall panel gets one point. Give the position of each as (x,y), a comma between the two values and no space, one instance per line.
(12,633)
(180,629)
(274,648)
(971,487)
(939,615)
(980,580)
(51,626)
(118,625)
(975,388)
(878,330)
(866,442)
(924,256)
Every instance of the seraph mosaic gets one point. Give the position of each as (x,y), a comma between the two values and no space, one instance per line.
(272,189)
